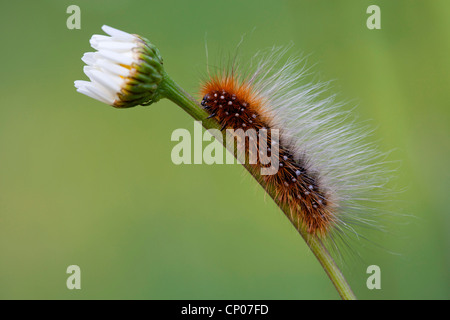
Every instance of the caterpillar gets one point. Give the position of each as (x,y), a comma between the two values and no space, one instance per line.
(327,171)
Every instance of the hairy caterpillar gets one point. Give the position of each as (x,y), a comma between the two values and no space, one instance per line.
(327,171)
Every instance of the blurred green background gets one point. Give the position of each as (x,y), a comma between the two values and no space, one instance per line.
(83,183)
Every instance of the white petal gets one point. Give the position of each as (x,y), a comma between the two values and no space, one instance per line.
(97,38)
(107,80)
(124,58)
(90,58)
(113,68)
(111,82)
(103,93)
(98,41)
(81,83)
(117,46)
(90,90)
(117,33)
(93,95)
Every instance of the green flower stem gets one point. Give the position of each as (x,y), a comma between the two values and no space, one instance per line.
(169,89)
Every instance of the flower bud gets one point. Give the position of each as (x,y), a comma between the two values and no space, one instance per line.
(124,72)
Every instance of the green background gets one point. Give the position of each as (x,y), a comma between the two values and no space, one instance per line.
(83,183)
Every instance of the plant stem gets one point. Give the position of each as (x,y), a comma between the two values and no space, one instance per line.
(169,89)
